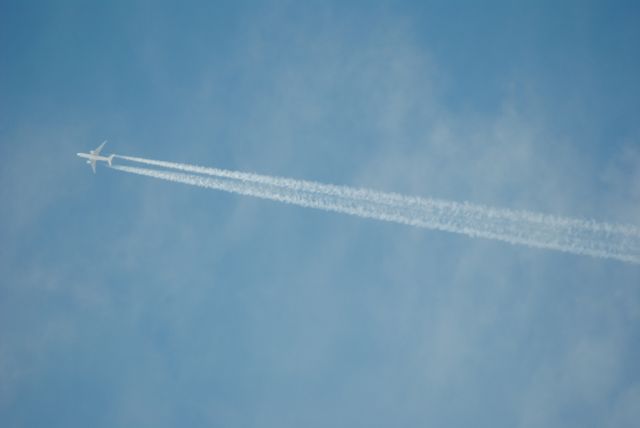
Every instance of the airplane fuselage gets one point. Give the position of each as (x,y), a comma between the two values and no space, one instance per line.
(92,157)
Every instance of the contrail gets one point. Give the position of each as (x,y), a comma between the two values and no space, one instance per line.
(621,242)
(310,186)
(380,197)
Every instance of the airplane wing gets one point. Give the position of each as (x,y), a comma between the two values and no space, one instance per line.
(97,151)
(93,165)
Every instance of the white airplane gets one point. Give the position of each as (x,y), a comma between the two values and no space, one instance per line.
(94,155)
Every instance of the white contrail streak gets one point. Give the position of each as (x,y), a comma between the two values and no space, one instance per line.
(620,242)
(381,197)
(310,186)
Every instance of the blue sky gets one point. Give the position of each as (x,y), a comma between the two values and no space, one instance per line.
(127,301)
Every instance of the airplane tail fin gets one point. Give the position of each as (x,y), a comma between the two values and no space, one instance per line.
(109,159)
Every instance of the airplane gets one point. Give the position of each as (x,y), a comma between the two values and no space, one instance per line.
(94,155)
